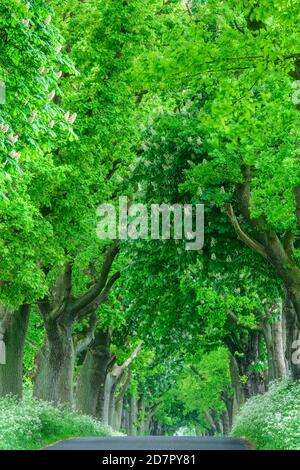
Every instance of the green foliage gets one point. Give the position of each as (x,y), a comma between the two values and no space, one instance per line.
(31,66)
(32,424)
(272,421)
(175,101)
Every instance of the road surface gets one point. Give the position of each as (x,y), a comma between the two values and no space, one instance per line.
(151,443)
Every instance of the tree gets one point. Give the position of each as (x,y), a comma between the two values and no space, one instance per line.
(32,123)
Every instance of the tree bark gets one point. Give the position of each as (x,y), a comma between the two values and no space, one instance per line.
(279,359)
(60,310)
(279,254)
(133,416)
(245,352)
(229,404)
(226,423)
(119,401)
(218,424)
(113,378)
(118,415)
(238,391)
(91,381)
(292,339)
(55,364)
(14,330)
(107,398)
(211,423)
(141,416)
(125,419)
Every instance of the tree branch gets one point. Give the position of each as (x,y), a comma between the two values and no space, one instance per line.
(83,344)
(95,290)
(101,299)
(201,376)
(243,236)
(117,371)
(237,321)
(123,388)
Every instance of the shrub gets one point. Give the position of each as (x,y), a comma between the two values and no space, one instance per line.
(272,421)
(32,424)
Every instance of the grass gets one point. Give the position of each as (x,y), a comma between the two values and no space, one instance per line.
(33,424)
(272,421)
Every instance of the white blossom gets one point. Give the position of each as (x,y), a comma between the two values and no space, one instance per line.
(48,19)
(32,116)
(73,118)
(43,70)
(15,155)
(51,95)
(4,127)
(13,138)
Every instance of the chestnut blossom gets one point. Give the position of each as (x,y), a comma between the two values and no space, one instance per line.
(32,116)
(13,138)
(51,95)
(48,19)
(4,127)
(73,118)
(15,155)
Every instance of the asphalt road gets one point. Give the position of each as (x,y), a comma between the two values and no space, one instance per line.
(151,443)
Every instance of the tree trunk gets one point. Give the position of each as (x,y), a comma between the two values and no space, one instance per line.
(118,415)
(133,416)
(55,364)
(147,422)
(91,381)
(126,418)
(226,423)
(229,404)
(238,391)
(107,396)
(119,400)
(292,339)
(112,404)
(267,330)
(244,353)
(141,416)
(113,379)
(60,311)
(211,423)
(274,334)
(279,253)
(279,359)
(216,420)
(14,332)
